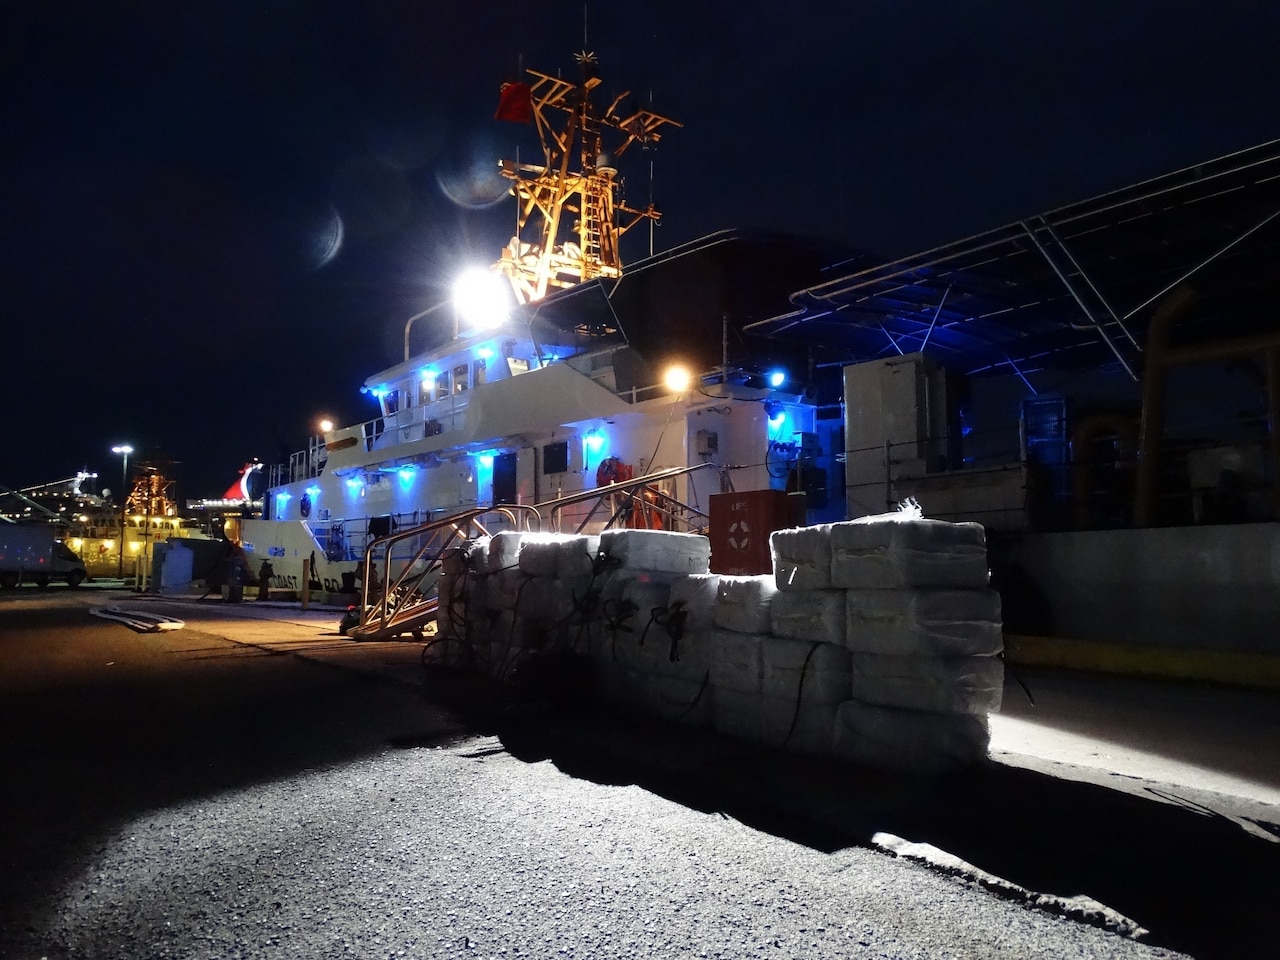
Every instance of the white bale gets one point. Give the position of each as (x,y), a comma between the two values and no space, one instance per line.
(629,600)
(809,730)
(685,700)
(619,649)
(813,672)
(617,583)
(973,685)
(737,714)
(539,554)
(686,656)
(577,555)
(504,550)
(536,597)
(924,622)
(574,600)
(477,600)
(802,557)
(477,553)
(909,740)
(658,550)
(620,688)
(817,615)
(694,594)
(454,560)
(743,603)
(504,588)
(736,660)
(884,552)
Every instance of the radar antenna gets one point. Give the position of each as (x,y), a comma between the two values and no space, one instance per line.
(549,250)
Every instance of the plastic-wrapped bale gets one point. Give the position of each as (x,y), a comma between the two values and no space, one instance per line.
(618,648)
(504,550)
(807,728)
(684,700)
(630,600)
(805,671)
(658,550)
(620,688)
(736,713)
(577,555)
(924,622)
(885,552)
(621,582)
(539,553)
(973,685)
(505,588)
(477,554)
(743,603)
(817,615)
(909,740)
(451,591)
(737,661)
(694,596)
(672,650)
(535,598)
(802,557)
(574,600)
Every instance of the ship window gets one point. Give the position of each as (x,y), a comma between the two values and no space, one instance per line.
(391,401)
(460,379)
(555,457)
(442,384)
(424,392)
(517,365)
(477,373)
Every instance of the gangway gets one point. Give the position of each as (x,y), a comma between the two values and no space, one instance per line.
(408,603)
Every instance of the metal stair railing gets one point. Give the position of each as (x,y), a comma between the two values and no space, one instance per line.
(407,604)
(635,497)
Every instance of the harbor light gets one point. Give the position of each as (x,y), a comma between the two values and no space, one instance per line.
(480,300)
(123,450)
(326,425)
(677,379)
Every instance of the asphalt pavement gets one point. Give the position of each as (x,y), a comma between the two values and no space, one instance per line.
(1128,805)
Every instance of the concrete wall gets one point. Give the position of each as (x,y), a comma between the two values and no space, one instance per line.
(1199,588)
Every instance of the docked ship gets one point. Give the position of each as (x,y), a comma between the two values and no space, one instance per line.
(113,536)
(1098,385)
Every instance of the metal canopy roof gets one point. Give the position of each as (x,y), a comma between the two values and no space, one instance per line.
(1073,287)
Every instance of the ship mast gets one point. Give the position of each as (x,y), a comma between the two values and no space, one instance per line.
(556,203)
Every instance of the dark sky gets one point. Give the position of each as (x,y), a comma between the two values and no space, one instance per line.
(172,171)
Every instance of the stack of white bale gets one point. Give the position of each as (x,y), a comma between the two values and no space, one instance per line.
(647,653)
(924,631)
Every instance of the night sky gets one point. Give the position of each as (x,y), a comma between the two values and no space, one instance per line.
(175,173)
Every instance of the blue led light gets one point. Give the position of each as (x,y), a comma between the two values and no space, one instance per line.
(486,459)
(313,491)
(484,353)
(406,473)
(381,391)
(354,483)
(777,378)
(283,497)
(594,440)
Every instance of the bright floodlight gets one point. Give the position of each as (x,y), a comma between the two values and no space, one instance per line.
(480,297)
(677,379)
(326,425)
(123,448)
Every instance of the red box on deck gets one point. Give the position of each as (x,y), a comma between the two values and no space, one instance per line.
(741,524)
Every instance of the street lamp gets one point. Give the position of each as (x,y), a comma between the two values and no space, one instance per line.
(124,449)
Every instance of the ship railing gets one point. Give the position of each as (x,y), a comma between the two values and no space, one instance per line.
(638,502)
(403,600)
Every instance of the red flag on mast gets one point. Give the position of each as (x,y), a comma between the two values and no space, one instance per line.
(515,103)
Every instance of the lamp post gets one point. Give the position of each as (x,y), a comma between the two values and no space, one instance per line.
(124,449)
(418,316)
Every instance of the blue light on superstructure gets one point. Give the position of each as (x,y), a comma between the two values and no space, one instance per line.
(406,475)
(777,419)
(313,491)
(381,391)
(486,459)
(776,378)
(595,448)
(485,353)
(282,501)
(594,439)
(355,484)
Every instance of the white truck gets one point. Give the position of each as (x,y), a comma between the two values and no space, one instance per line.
(33,553)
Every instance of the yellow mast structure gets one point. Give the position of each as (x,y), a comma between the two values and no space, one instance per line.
(556,203)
